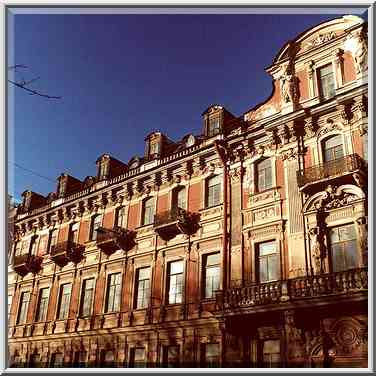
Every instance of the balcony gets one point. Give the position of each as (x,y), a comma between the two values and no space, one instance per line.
(343,168)
(67,251)
(26,263)
(176,221)
(295,290)
(111,240)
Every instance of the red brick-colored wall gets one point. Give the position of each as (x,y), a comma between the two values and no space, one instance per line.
(108,219)
(303,84)
(163,203)
(43,244)
(194,203)
(308,158)
(84,230)
(357,143)
(133,220)
(348,67)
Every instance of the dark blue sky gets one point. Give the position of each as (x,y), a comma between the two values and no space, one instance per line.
(121,76)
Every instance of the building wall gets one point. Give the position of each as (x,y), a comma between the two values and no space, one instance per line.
(245,317)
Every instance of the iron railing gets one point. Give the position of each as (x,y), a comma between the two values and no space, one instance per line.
(342,282)
(340,166)
(170,216)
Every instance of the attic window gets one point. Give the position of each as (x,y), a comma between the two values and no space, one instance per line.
(103,169)
(213,128)
(154,148)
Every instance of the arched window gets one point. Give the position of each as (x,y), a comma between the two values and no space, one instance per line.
(179,198)
(264,175)
(213,191)
(333,148)
(148,211)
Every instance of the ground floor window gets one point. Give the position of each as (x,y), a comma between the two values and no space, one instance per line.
(210,355)
(271,354)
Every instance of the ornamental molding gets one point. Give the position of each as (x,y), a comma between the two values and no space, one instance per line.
(320,39)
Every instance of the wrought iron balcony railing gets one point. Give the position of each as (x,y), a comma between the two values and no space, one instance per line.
(67,251)
(338,167)
(23,264)
(329,284)
(172,222)
(111,240)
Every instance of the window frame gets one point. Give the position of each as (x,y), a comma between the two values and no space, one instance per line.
(50,238)
(319,80)
(38,310)
(22,320)
(324,148)
(277,254)
(120,209)
(93,224)
(204,268)
(357,252)
(210,203)
(60,298)
(168,281)
(214,131)
(137,287)
(175,197)
(108,290)
(266,186)
(152,200)
(83,297)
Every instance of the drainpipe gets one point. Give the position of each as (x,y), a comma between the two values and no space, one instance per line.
(221,149)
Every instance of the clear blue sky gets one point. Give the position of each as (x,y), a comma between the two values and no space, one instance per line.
(121,76)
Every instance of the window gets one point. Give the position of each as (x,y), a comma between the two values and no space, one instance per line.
(214,127)
(120,217)
(22,310)
(148,211)
(175,282)
(264,175)
(108,359)
(22,248)
(333,148)
(18,248)
(42,248)
(137,359)
(113,292)
(271,354)
(210,355)
(42,304)
(35,361)
(326,79)
(96,222)
(80,359)
(154,148)
(53,239)
(34,245)
(179,198)
(268,258)
(213,196)
(343,247)
(211,274)
(57,360)
(73,232)
(87,295)
(143,287)
(104,169)
(171,356)
(65,294)
(10,298)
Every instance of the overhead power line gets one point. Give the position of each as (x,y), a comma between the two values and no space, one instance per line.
(32,172)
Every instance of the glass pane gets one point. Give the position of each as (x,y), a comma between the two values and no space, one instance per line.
(351,255)
(143,273)
(214,180)
(263,269)
(267,248)
(176,267)
(213,259)
(181,198)
(347,232)
(338,258)
(273,267)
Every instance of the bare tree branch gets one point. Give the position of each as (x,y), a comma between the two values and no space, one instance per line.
(22,84)
(33,92)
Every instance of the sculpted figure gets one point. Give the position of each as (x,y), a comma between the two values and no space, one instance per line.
(316,249)
(361,54)
(287,85)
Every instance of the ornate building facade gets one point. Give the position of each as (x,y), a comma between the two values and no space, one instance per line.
(245,246)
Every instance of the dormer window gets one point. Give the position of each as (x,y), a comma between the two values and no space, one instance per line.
(154,148)
(213,127)
(103,169)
